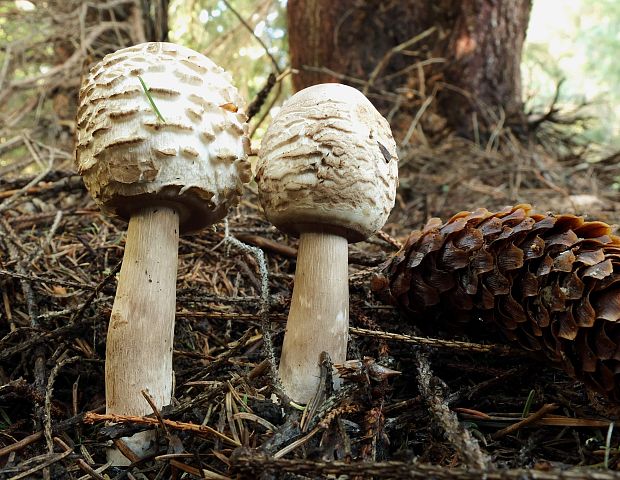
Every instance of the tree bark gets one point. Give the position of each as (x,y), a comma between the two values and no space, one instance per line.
(470,56)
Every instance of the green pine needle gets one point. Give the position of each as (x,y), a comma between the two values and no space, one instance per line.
(297,406)
(528,404)
(148,95)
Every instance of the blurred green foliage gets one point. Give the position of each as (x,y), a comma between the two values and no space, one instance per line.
(212,28)
(578,42)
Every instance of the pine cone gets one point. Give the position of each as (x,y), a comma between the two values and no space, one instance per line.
(549,283)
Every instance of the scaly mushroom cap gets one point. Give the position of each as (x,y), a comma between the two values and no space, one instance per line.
(328,163)
(194,160)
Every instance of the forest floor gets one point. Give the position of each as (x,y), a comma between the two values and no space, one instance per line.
(456,410)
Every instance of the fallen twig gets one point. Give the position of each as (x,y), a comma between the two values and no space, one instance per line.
(550,407)
(440,343)
(189,427)
(466,446)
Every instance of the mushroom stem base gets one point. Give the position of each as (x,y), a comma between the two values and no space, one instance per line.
(318,319)
(141,330)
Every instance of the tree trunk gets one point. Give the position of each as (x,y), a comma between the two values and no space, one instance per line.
(467,52)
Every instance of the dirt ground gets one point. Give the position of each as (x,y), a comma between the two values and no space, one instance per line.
(456,409)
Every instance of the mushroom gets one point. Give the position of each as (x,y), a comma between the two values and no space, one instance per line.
(162,143)
(327,172)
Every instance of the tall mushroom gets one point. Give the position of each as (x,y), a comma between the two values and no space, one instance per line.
(328,173)
(161,143)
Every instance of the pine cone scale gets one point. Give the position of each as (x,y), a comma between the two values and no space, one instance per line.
(589,359)
(573,287)
(607,306)
(453,258)
(567,327)
(510,258)
(585,313)
(600,270)
(533,248)
(605,348)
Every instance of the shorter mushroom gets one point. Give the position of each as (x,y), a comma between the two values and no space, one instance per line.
(159,145)
(328,172)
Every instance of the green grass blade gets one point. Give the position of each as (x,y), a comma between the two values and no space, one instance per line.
(150,98)
(608,444)
(528,404)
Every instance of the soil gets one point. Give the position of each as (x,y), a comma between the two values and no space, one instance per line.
(461,404)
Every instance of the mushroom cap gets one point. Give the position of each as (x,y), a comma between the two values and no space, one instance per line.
(194,160)
(328,163)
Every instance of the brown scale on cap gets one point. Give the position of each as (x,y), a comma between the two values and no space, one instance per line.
(550,283)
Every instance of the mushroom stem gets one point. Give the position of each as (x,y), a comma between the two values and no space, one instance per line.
(141,329)
(318,319)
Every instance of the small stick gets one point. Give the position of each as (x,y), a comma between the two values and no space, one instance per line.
(190,427)
(547,408)
(51,459)
(47,418)
(204,473)
(36,278)
(42,187)
(439,343)
(23,443)
(127,452)
(7,310)
(268,244)
(156,411)
(466,446)
(258,39)
(34,437)
(389,239)
(90,470)
(300,441)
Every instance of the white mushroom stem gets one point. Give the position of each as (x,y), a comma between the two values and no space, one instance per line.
(318,319)
(141,330)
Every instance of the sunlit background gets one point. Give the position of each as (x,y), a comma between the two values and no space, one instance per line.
(573,44)
(576,41)
(214,28)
